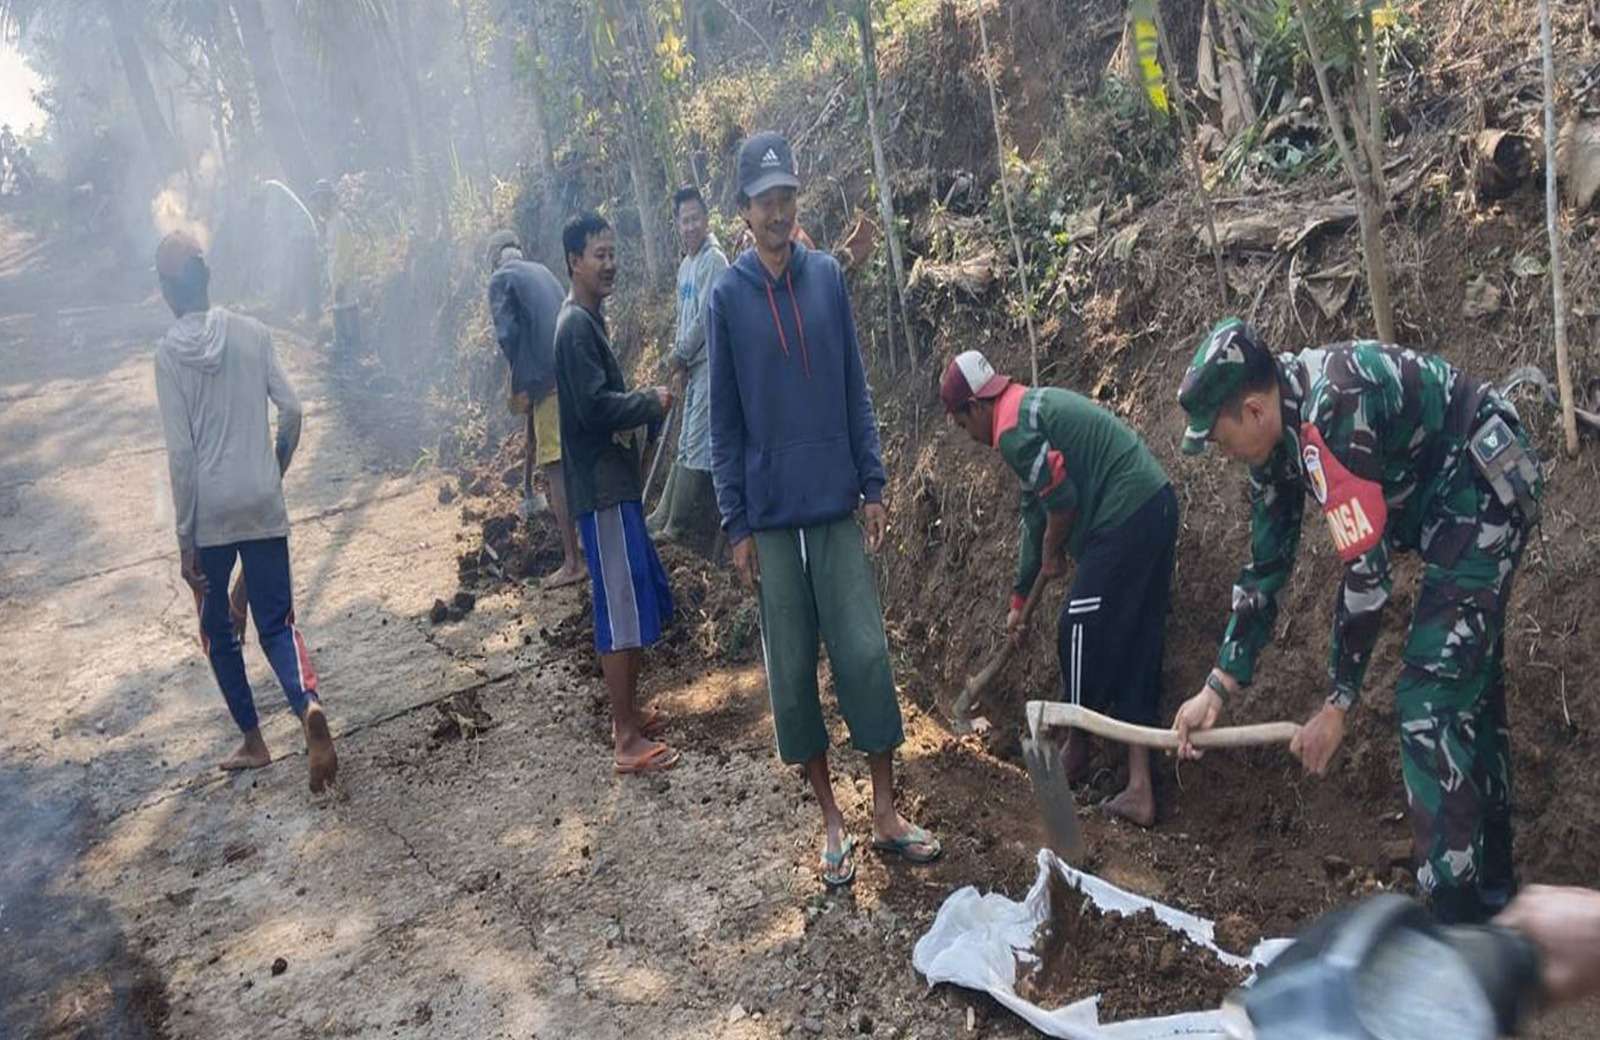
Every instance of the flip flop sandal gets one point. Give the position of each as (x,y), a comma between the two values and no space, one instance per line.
(657,760)
(833,875)
(906,845)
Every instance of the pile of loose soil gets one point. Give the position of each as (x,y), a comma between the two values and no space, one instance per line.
(510,548)
(1138,965)
(461,716)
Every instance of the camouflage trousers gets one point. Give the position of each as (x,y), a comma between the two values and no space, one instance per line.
(1455,750)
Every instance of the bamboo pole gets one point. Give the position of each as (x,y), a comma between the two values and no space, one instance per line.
(1005,196)
(1569,419)
(1369,208)
(1192,146)
(880,167)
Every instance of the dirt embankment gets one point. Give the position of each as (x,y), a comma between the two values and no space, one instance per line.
(1120,326)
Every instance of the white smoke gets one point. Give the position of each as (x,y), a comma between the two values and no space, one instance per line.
(174,207)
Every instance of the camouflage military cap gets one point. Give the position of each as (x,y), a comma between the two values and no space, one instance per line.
(1215,374)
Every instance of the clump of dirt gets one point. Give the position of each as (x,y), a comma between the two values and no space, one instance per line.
(572,633)
(463,716)
(1138,965)
(1238,934)
(511,549)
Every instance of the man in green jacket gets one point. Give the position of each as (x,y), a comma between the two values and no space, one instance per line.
(1089,487)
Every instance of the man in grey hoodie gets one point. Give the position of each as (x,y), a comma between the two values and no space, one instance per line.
(215,372)
(688,507)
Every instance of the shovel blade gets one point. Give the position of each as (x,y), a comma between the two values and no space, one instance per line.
(1053,793)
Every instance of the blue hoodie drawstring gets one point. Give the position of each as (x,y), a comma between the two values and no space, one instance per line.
(800,323)
(783,341)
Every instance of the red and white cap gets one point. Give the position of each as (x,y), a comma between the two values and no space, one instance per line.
(967,377)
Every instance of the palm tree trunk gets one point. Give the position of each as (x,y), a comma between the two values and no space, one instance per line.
(434,211)
(277,111)
(163,145)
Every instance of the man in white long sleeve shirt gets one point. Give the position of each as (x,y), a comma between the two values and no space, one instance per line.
(215,372)
(687,512)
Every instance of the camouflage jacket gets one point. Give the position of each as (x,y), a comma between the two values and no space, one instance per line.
(1370,433)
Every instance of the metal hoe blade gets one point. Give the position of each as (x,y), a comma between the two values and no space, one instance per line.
(1054,795)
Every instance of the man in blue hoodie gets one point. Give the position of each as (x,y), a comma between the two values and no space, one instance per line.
(794,455)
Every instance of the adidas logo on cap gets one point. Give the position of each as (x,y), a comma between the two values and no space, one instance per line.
(771,158)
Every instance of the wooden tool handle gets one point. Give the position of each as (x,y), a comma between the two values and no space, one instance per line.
(1056,714)
(661,448)
(960,710)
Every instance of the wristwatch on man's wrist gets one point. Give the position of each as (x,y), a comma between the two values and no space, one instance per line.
(1214,682)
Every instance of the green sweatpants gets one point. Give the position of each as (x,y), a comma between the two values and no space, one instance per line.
(817,580)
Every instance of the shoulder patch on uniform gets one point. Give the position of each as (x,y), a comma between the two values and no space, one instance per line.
(1319,480)
(1354,508)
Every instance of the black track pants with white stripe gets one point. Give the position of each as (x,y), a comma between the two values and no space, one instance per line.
(1113,624)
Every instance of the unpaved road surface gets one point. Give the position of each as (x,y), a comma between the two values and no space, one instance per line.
(501,884)
(506,884)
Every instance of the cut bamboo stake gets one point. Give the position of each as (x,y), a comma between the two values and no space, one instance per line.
(880,167)
(1192,146)
(1367,184)
(1569,418)
(1005,196)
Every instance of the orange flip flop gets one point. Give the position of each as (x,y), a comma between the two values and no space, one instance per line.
(657,760)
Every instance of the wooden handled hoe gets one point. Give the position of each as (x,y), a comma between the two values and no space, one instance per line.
(1042,751)
(961,718)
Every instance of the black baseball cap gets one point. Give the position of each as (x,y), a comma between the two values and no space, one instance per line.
(766,161)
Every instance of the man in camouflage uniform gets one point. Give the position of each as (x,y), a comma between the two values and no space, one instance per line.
(1401,451)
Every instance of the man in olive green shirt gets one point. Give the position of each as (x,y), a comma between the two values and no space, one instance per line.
(1091,489)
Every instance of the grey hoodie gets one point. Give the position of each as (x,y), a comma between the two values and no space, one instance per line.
(696,275)
(214,374)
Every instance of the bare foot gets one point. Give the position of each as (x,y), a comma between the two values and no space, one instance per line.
(252,754)
(322,760)
(1137,807)
(569,574)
